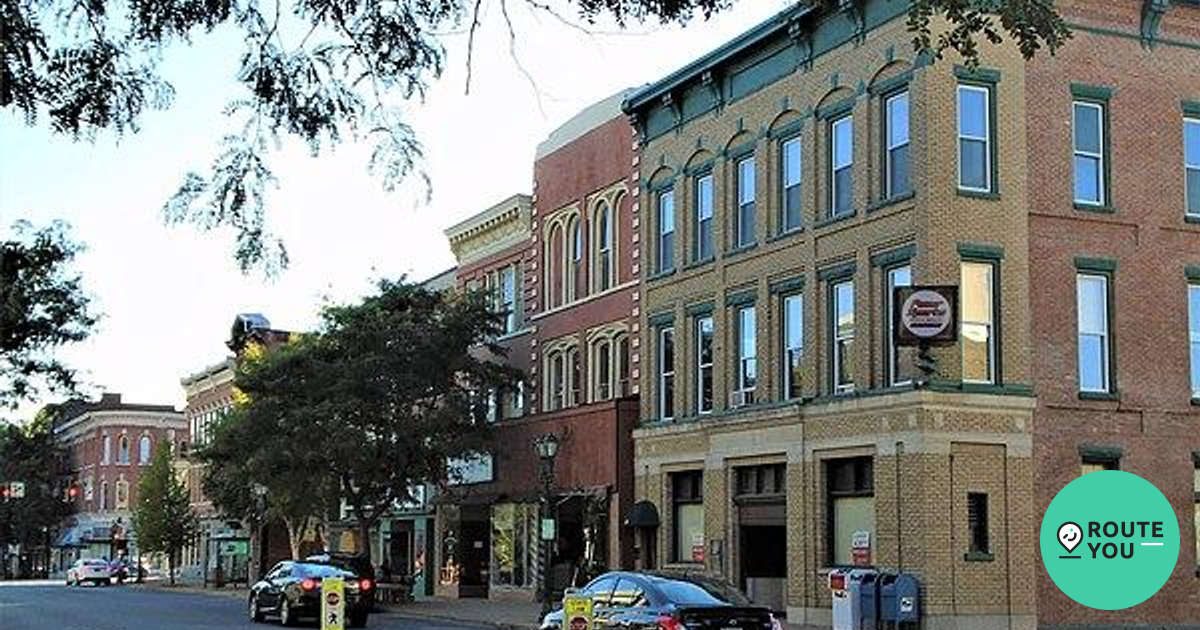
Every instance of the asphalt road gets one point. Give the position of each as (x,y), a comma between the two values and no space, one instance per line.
(53,606)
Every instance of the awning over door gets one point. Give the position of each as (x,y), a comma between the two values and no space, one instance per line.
(642,514)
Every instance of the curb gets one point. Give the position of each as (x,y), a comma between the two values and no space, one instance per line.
(191,590)
(500,625)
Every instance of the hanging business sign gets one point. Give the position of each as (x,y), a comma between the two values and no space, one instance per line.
(925,315)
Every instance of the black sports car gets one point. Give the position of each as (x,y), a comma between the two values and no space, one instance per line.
(660,601)
(293,589)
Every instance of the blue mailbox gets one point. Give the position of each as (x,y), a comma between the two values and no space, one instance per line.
(900,598)
(863,585)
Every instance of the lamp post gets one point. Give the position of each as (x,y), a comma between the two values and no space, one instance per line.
(546,447)
(260,507)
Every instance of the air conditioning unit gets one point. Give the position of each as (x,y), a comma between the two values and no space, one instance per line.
(741,398)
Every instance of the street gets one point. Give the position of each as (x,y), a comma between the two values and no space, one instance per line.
(52,606)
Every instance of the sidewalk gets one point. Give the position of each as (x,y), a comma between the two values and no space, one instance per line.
(162,585)
(510,615)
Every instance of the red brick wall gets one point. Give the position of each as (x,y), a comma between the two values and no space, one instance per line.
(1154,422)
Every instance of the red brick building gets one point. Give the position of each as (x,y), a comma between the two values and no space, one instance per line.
(1115,250)
(110,443)
(561,263)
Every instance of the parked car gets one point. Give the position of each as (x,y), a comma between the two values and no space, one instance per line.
(293,589)
(665,601)
(94,570)
(354,563)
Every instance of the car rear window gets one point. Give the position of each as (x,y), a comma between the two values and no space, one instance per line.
(96,563)
(320,571)
(688,594)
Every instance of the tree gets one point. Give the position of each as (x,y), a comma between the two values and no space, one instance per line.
(163,519)
(42,307)
(373,404)
(324,71)
(29,454)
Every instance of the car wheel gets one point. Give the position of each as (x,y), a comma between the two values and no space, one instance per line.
(255,612)
(357,619)
(286,617)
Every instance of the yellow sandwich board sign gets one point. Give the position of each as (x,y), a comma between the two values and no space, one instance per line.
(577,612)
(333,603)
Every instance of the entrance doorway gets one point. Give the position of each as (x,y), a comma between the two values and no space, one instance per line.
(762,534)
(474,549)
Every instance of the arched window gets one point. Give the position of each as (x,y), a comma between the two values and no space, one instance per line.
(602,364)
(604,248)
(103,495)
(557,383)
(554,271)
(122,495)
(574,395)
(622,385)
(107,459)
(576,284)
(144,450)
(123,450)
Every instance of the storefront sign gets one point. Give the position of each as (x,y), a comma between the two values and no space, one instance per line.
(333,603)
(463,471)
(927,315)
(577,611)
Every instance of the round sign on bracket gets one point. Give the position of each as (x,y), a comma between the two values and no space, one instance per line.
(926,315)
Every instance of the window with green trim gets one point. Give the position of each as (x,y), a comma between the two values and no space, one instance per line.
(977,294)
(1089,136)
(901,362)
(791,216)
(841,166)
(1094,332)
(666,230)
(895,132)
(704,364)
(842,336)
(704,217)
(744,228)
(1194,335)
(747,354)
(666,373)
(793,344)
(1191,164)
(975,138)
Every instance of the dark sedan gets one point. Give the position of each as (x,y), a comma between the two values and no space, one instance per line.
(293,590)
(650,601)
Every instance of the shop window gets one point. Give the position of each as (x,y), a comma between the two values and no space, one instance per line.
(687,503)
(850,490)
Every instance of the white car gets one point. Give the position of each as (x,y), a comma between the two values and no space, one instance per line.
(94,570)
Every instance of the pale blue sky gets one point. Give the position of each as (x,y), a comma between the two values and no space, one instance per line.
(168,295)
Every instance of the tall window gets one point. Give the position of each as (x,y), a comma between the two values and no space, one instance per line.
(123,450)
(554,269)
(1194,335)
(977,523)
(791,216)
(506,297)
(666,373)
(602,362)
(107,448)
(841,172)
(122,494)
(144,450)
(900,361)
(622,343)
(666,230)
(974,138)
(745,213)
(1093,323)
(704,364)
(1088,124)
(793,344)
(1191,163)
(558,380)
(850,492)
(574,394)
(843,336)
(896,132)
(978,322)
(704,217)
(747,330)
(1196,510)
(687,516)
(104,495)
(577,285)
(604,248)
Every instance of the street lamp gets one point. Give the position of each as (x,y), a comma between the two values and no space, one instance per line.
(260,502)
(546,447)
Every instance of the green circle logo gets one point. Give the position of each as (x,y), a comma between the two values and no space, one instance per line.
(1110,540)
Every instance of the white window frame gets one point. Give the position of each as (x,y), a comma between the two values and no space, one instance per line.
(744,234)
(704,214)
(1105,335)
(787,182)
(1194,124)
(701,366)
(893,351)
(747,355)
(145,450)
(666,202)
(605,233)
(666,372)
(506,294)
(788,350)
(889,190)
(986,138)
(1102,185)
(1194,336)
(839,338)
(575,245)
(846,162)
(990,324)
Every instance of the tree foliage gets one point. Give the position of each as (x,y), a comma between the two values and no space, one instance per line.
(29,454)
(42,307)
(327,71)
(373,404)
(163,518)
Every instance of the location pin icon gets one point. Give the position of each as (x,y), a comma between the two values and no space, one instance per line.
(1069,536)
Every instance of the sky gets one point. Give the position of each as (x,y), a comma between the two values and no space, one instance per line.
(168,294)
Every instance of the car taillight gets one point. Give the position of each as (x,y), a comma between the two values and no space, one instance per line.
(365,584)
(308,584)
(667,622)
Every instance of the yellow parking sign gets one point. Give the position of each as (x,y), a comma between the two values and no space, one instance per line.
(333,603)
(577,612)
